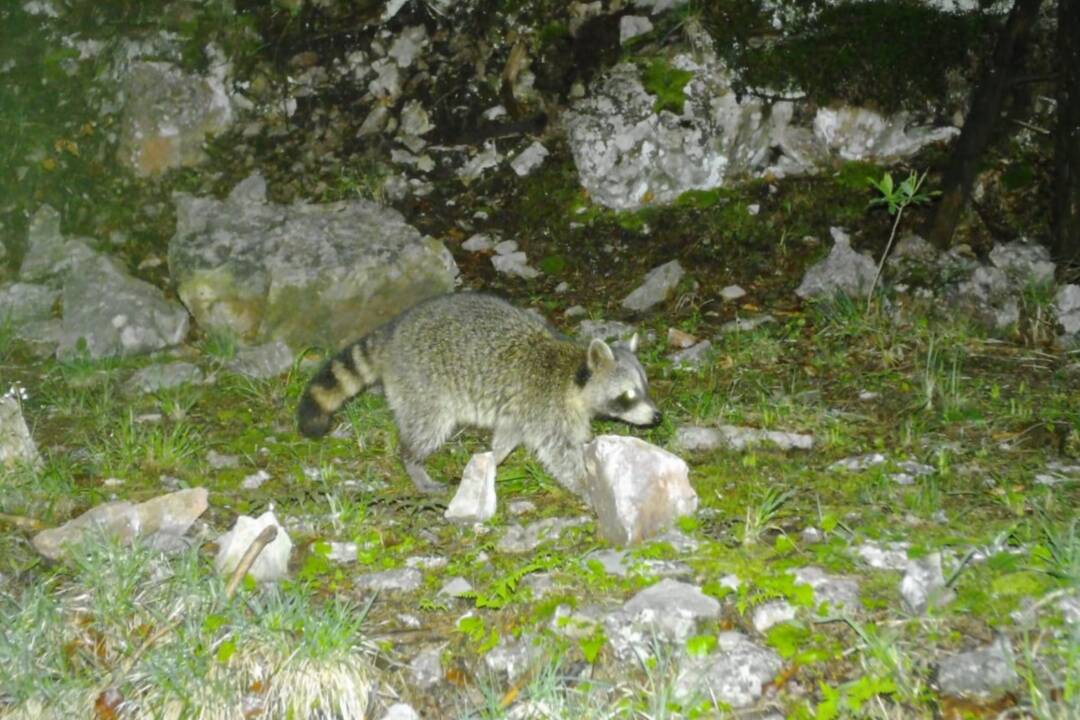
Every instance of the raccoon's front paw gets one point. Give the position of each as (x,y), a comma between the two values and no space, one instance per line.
(423,482)
(432,487)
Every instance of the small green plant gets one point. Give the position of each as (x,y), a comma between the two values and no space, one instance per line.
(896,198)
(760,517)
(666,83)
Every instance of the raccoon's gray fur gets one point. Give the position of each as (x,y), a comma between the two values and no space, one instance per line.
(474,360)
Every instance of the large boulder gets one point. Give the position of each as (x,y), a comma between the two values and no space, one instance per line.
(109,313)
(300,273)
(631,150)
(168,114)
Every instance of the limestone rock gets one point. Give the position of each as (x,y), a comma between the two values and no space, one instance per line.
(844,271)
(1067,307)
(703,439)
(637,490)
(656,288)
(735,673)
(262,361)
(113,314)
(161,377)
(167,116)
(529,159)
(981,674)
(521,539)
(272,563)
(160,521)
(21,302)
(856,133)
(305,274)
(397,580)
(923,584)
(474,500)
(16,444)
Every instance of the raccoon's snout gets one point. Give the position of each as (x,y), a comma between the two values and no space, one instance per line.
(657,418)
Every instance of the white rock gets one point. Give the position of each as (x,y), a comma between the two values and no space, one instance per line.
(630,26)
(479,242)
(514,264)
(746,324)
(272,563)
(160,521)
(692,357)
(732,292)
(16,444)
(400,580)
(506,247)
(456,587)
(255,480)
(1067,307)
(856,133)
(923,584)
(636,489)
(529,159)
(772,613)
(400,711)
(474,500)
(657,286)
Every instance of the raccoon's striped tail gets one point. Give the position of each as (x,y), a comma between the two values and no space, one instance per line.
(344,376)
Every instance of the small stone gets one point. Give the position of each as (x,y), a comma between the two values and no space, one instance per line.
(841,593)
(426,562)
(342,552)
(604,330)
(529,159)
(746,324)
(676,338)
(16,444)
(255,480)
(515,265)
(272,563)
(153,378)
(657,286)
(631,26)
(398,580)
(426,668)
(674,597)
(518,539)
(219,461)
(980,674)
(923,585)
(400,711)
(475,499)
(692,357)
(479,242)
(736,673)
(884,556)
(456,587)
(844,271)
(858,462)
(262,361)
(772,613)
(732,292)
(520,507)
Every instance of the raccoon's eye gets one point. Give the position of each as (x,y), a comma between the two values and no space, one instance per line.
(626,400)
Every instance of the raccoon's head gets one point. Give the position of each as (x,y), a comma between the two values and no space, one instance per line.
(614,384)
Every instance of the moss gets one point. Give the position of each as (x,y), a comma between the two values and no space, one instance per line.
(885,53)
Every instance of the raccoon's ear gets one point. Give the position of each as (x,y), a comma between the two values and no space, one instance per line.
(600,355)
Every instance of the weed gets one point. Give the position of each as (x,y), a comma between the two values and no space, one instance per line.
(760,516)
(896,198)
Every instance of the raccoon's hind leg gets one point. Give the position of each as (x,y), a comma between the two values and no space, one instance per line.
(420,433)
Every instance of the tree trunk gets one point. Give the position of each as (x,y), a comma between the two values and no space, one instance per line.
(1065,225)
(986,101)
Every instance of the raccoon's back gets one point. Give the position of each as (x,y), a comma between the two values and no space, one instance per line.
(474,349)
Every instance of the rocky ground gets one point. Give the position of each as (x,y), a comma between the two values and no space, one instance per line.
(207,197)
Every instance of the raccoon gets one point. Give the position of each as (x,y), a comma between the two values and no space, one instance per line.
(470,359)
